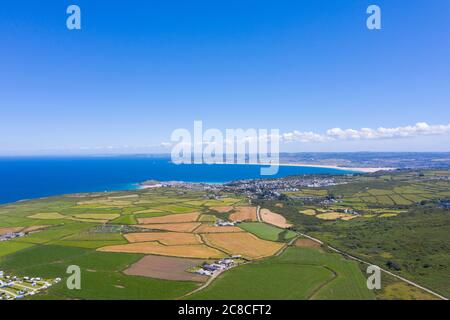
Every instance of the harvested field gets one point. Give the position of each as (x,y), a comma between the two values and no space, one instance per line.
(274,218)
(97,216)
(244,214)
(349,217)
(177,227)
(172,218)
(309,212)
(200,251)
(222,209)
(9,230)
(124,196)
(207,228)
(167,238)
(307,243)
(242,243)
(104,203)
(168,268)
(207,218)
(387,215)
(148,211)
(90,220)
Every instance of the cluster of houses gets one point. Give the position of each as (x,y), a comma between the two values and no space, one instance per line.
(210,269)
(13,287)
(222,223)
(329,201)
(270,189)
(12,235)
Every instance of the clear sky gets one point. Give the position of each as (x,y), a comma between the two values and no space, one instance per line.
(137,70)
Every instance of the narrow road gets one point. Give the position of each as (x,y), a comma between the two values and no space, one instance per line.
(384,270)
(207,283)
(290,243)
(8,293)
(258,214)
(324,284)
(25,287)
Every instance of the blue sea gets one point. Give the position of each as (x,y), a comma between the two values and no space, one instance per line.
(34,177)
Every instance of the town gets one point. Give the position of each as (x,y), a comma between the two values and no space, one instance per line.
(268,189)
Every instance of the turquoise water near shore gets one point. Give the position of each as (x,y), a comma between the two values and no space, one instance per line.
(33,177)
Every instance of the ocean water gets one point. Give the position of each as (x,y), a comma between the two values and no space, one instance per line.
(33,177)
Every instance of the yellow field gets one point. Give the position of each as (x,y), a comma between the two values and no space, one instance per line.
(104,203)
(309,212)
(244,214)
(222,209)
(47,215)
(148,211)
(333,215)
(6,230)
(89,220)
(177,227)
(33,228)
(98,216)
(206,228)
(172,218)
(387,215)
(347,218)
(242,243)
(124,197)
(200,251)
(274,218)
(167,238)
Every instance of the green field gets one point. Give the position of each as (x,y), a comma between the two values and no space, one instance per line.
(266,231)
(299,273)
(400,222)
(100,274)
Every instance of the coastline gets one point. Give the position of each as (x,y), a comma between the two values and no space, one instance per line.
(358,169)
(136,183)
(355,169)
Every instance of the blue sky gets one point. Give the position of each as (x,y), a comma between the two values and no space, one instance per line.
(140,69)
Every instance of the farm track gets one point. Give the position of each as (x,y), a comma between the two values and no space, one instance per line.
(286,246)
(258,214)
(323,285)
(207,283)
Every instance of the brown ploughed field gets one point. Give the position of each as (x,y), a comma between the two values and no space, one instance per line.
(168,268)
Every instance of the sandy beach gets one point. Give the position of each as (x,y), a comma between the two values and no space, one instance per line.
(356,169)
(365,170)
